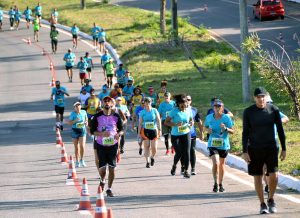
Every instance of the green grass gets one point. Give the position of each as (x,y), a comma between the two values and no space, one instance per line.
(151,58)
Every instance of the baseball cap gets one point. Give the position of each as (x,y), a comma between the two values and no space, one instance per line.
(260,91)
(69,50)
(107,98)
(76,103)
(118,99)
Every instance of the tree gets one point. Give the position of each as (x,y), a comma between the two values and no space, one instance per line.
(82,4)
(277,69)
(163,16)
(175,23)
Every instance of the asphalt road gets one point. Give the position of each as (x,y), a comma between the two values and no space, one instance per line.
(33,182)
(222,18)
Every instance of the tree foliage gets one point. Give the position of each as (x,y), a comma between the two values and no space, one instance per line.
(277,68)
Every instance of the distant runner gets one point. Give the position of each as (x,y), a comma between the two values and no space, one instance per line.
(70,59)
(59,92)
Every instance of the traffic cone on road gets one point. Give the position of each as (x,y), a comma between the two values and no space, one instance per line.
(100,210)
(72,171)
(64,156)
(109,213)
(59,141)
(28,41)
(51,66)
(52,83)
(84,203)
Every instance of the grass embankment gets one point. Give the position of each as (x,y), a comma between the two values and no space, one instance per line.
(149,56)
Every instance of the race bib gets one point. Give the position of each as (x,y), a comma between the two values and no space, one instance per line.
(60,101)
(149,125)
(183,129)
(217,142)
(80,125)
(108,141)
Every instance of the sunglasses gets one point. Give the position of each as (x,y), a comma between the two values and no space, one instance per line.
(106,101)
(188,99)
(217,105)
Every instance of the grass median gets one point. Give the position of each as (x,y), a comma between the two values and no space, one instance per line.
(151,58)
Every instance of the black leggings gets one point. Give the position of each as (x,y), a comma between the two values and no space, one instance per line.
(192,154)
(12,21)
(182,146)
(54,44)
(122,141)
(167,141)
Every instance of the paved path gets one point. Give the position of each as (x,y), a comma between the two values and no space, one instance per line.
(32,180)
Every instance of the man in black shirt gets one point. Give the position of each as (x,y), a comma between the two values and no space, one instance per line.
(259,145)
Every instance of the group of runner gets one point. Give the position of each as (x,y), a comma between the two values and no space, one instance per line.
(105,117)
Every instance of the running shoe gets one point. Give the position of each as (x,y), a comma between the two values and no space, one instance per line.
(193,172)
(186,175)
(172,150)
(82,163)
(266,189)
(173,170)
(147,165)
(263,208)
(140,151)
(168,152)
(122,151)
(102,184)
(272,206)
(61,127)
(77,164)
(221,188)
(109,193)
(152,161)
(215,188)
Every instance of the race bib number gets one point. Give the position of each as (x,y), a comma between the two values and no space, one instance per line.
(60,101)
(217,142)
(79,125)
(108,141)
(183,129)
(149,125)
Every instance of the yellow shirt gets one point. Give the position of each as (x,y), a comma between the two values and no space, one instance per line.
(93,105)
(136,100)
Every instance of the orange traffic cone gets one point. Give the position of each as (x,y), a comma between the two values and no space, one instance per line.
(59,141)
(84,203)
(100,210)
(64,156)
(51,66)
(28,41)
(52,83)
(72,171)
(109,213)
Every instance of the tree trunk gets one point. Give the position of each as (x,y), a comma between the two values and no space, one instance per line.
(82,4)
(163,17)
(174,23)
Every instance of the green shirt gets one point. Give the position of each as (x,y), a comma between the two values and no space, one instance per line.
(54,34)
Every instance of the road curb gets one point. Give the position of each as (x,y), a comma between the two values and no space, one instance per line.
(238,163)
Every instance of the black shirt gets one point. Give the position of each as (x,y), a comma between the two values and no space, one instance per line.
(258,127)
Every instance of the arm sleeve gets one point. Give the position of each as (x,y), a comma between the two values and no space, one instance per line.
(119,123)
(93,124)
(245,134)
(280,130)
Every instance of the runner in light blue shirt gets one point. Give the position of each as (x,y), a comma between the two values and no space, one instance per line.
(95,34)
(11,14)
(75,31)
(70,59)
(28,17)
